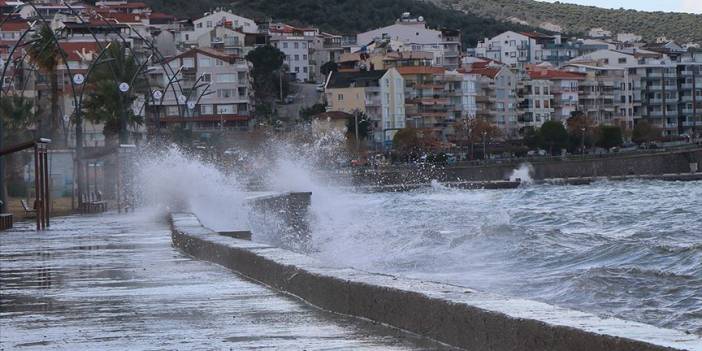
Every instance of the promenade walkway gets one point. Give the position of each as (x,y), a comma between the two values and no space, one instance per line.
(114,282)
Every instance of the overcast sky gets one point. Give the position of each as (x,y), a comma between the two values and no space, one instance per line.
(693,6)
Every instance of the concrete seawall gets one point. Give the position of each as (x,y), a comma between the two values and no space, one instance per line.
(451,314)
(672,162)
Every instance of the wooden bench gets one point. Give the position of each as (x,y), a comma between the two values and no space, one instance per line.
(93,203)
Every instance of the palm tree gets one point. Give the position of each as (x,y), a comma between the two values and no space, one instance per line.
(45,53)
(108,105)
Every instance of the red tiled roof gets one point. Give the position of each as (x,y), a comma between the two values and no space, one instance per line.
(536,35)
(333,115)
(421,70)
(208,52)
(555,74)
(14,26)
(490,72)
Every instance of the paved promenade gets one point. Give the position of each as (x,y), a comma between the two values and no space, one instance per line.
(115,282)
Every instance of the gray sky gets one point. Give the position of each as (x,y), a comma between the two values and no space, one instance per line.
(692,6)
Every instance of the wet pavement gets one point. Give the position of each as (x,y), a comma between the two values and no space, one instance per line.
(115,282)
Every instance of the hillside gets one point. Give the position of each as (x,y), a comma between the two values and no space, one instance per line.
(346,16)
(579,19)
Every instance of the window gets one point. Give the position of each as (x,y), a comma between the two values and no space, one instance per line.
(205,62)
(206,109)
(199,25)
(285,45)
(188,62)
(206,77)
(225,93)
(226,78)
(340,97)
(296,45)
(297,57)
(304,69)
(209,24)
(172,110)
(297,69)
(225,109)
(219,62)
(241,77)
(304,57)
(242,92)
(622,60)
(304,45)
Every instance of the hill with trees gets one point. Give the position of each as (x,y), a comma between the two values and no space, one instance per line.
(345,16)
(682,27)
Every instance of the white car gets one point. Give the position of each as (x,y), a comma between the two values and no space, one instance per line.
(320,87)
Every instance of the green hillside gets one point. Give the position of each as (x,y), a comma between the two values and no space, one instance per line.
(346,16)
(579,19)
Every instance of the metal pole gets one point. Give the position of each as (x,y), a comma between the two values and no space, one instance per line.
(119,180)
(355,117)
(37,187)
(47,189)
(3,195)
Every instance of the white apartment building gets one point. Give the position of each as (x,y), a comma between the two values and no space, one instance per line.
(211,20)
(516,49)
(413,33)
(298,46)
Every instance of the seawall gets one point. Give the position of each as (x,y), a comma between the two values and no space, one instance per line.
(451,314)
(636,164)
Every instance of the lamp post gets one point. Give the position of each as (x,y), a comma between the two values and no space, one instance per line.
(485,145)
(582,141)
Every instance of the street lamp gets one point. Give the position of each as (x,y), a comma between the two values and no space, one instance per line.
(485,145)
(582,141)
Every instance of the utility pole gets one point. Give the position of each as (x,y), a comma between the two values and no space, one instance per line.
(582,141)
(355,118)
(3,193)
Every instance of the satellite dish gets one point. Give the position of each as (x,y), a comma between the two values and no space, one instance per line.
(123,87)
(157,95)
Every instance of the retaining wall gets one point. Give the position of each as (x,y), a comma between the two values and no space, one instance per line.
(451,314)
(610,166)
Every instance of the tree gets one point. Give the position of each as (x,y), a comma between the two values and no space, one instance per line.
(15,118)
(45,53)
(645,132)
(532,138)
(609,137)
(105,103)
(553,135)
(329,67)
(364,126)
(406,140)
(580,130)
(267,74)
(306,113)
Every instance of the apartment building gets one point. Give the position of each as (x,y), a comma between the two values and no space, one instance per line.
(496,98)
(211,92)
(427,104)
(564,91)
(414,35)
(380,94)
(535,101)
(209,21)
(297,44)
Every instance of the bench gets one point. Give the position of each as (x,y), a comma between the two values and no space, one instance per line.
(93,203)
(29,212)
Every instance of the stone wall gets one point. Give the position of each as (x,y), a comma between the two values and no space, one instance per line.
(451,314)
(283,218)
(620,165)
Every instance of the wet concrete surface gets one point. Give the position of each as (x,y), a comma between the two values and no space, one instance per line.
(115,282)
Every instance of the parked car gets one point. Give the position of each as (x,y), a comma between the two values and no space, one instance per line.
(320,88)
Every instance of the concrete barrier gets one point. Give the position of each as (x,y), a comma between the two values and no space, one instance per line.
(286,215)
(451,314)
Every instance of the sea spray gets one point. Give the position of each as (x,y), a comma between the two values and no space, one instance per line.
(522,174)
